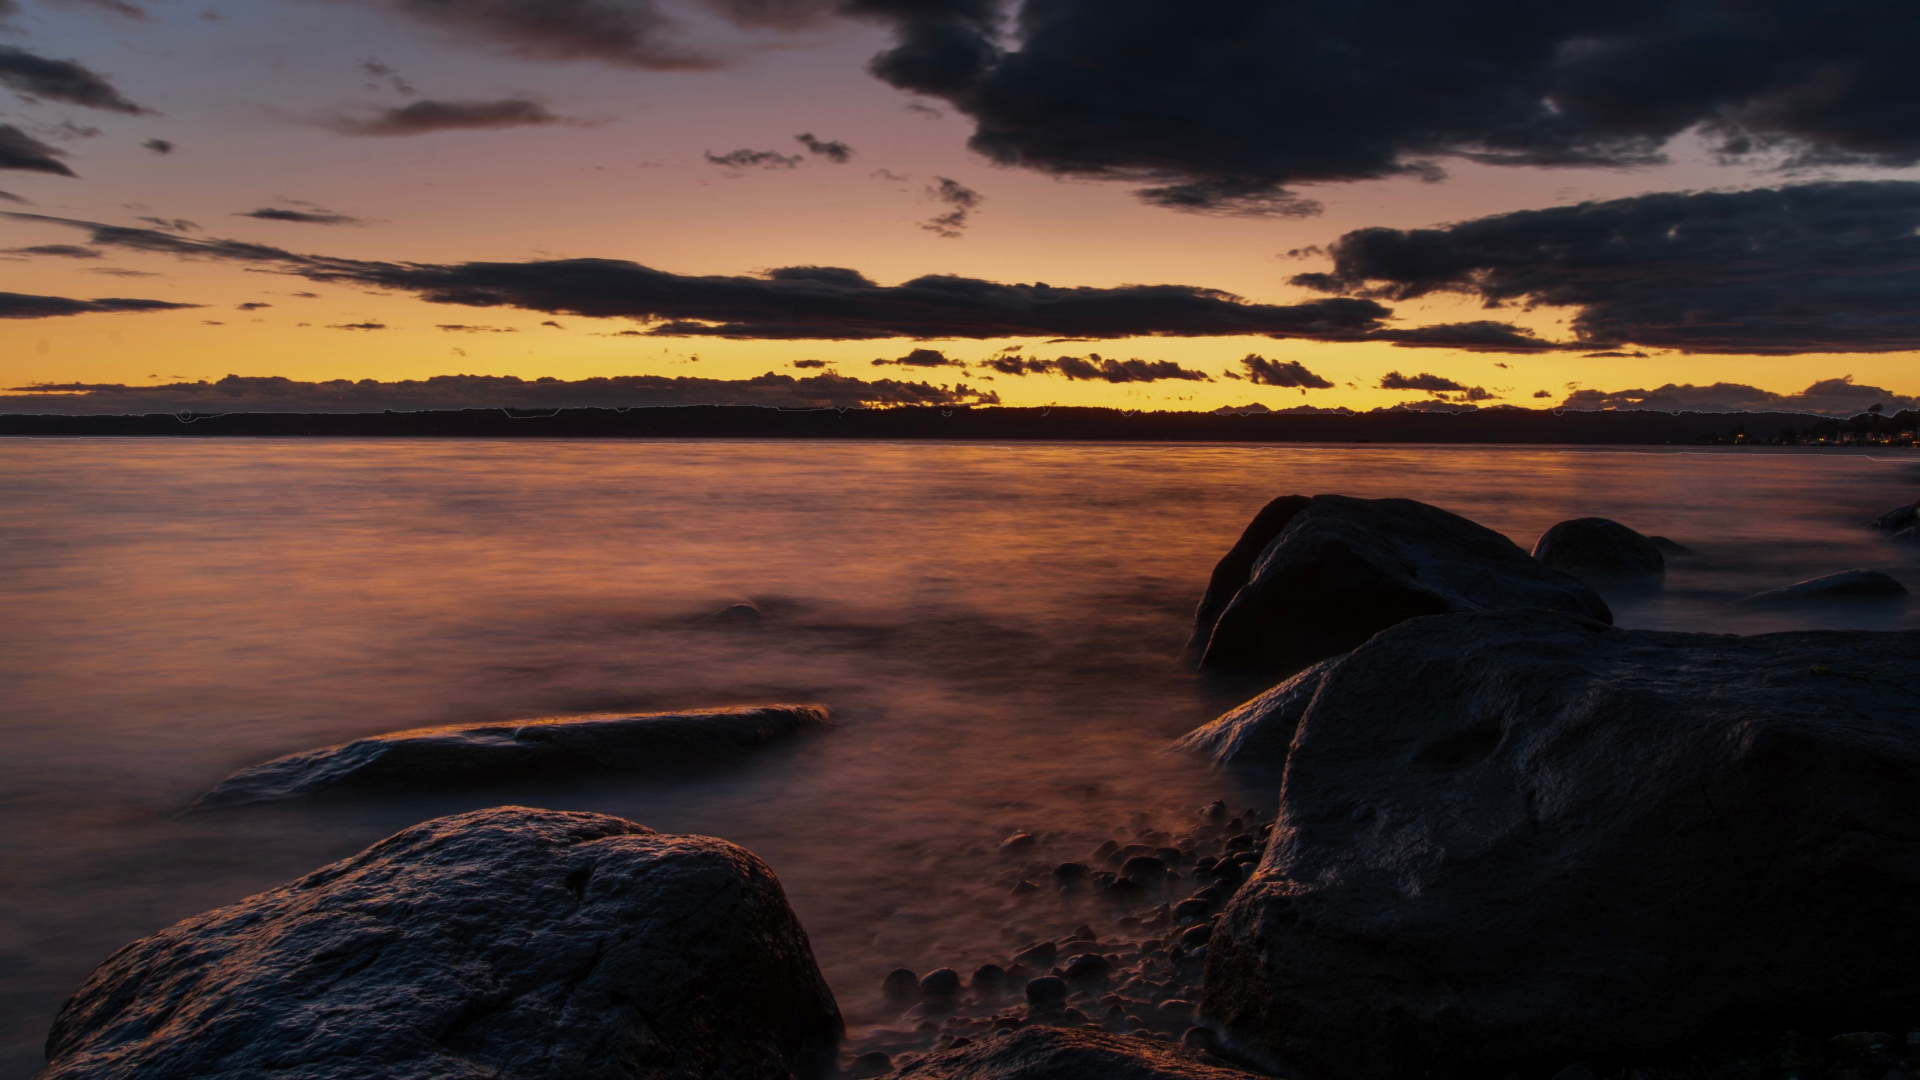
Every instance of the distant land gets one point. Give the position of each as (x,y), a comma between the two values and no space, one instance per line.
(1498,425)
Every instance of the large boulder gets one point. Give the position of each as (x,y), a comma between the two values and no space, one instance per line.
(1329,572)
(509,942)
(1597,549)
(1517,839)
(1048,1053)
(1847,586)
(482,753)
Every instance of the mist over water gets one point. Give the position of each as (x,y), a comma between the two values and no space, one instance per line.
(996,629)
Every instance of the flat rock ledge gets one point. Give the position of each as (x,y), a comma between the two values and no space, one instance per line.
(510,942)
(483,753)
(1041,1053)
(1510,840)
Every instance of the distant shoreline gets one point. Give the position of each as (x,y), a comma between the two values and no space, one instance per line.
(1001,424)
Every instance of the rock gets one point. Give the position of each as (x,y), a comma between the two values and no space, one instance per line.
(1905,517)
(484,753)
(1669,547)
(1087,967)
(1258,732)
(1040,952)
(1145,869)
(941,985)
(1340,570)
(1596,549)
(1909,535)
(1070,873)
(1016,843)
(1516,839)
(1023,887)
(900,985)
(1845,586)
(502,942)
(1047,992)
(743,613)
(869,1065)
(988,979)
(1043,1053)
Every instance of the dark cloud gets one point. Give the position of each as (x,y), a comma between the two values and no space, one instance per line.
(180,225)
(1097,368)
(963,200)
(630,33)
(158,146)
(754,159)
(115,271)
(19,150)
(8,196)
(1393,380)
(59,251)
(305,217)
(1542,394)
(358,326)
(1221,106)
(426,115)
(923,358)
(835,151)
(252,305)
(809,363)
(1480,335)
(65,81)
(798,302)
(237,393)
(1827,267)
(1267,372)
(22,306)
(1835,397)
(464,328)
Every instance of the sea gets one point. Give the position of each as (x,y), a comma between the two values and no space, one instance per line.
(997,630)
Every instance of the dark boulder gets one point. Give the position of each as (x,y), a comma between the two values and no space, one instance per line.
(504,942)
(1333,571)
(1669,547)
(1047,1053)
(1596,549)
(1511,840)
(482,753)
(1905,517)
(1843,587)
(1259,732)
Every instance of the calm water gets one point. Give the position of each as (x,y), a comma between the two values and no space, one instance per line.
(995,628)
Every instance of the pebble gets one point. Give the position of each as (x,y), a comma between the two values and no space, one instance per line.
(1199,1038)
(1144,869)
(1217,809)
(870,1064)
(1041,952)
(1105,851)
(941,984)
(1087,967)
(1023,887)
(1195,936)
(1070,873)
(1017,842)
(900,985)
(988,979)
(1047,991)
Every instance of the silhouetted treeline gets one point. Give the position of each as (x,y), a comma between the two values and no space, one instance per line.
(996,423)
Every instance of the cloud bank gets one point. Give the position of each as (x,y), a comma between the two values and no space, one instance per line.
(1828,397)
(65,81)
(237,393)
(24,306)
(1824,267)
(426,116)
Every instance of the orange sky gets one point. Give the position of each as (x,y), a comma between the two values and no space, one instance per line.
(242,94)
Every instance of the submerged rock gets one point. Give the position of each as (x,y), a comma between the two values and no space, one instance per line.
(1514,839)
(1327,573)
(1905,517)
(1044,1053)
(481,753)
(1669,547)
(1258,732)
(1598,549)
(1847,585)
(506,942)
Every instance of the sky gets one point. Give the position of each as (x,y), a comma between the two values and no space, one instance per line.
(1134,203)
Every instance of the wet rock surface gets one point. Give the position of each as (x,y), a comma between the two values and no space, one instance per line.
(1061,1054)
(481,753)
(1602,551)
(1844,587)
(1259,732)
(1337,570)
(501,943)
(1897,519)
(1578,843)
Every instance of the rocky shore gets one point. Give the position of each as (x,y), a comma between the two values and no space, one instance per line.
(1511,840)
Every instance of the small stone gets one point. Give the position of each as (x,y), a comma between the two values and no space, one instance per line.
(926,1026)
(1199,1038)
(1069,874)
(1105,851)
(1188,910)
(988,979)
(1145,869)
(1047,992)
(1016,843)
(1087,967)
(870,1064)
(1023,887)
(940,985)
(1041,953)
(1085,933)
(1575,1072)
(901,985)
(742,612)
(1125,890)
(1196,936)
(959,1041)
(1216,809)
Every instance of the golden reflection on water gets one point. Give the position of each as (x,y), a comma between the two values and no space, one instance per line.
(996,628)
